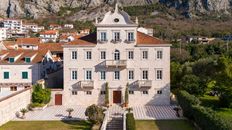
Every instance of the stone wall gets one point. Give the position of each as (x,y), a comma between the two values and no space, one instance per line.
(13,103)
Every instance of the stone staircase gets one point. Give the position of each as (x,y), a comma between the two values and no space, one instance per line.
(115,121)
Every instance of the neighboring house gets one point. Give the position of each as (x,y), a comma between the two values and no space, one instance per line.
(117,54)
(31,27)
(84,32)
(201,40)
(13,25)
(55,27)
(148,31)
(28,43)
(49,36)
(68,37)
(22,68)
(3,34)
(68,26)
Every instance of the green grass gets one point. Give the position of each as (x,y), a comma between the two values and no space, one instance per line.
(164,125)
(47,125)
(225,113)
(210,101)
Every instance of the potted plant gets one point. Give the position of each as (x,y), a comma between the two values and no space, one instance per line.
(70,110)
(126,96)
(177,109)
(107,95)
(23,111)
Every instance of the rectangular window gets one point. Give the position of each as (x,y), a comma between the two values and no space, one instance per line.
(6,75)
(130,74)
(74,74)
(13,88)
(27,60)
(116,75)
(88,75)
(145,92)
(74,55)
(74,92)
(88,92)
(103,92)
(130,55)
(159,74)
(159,54)
(88,55)
(116,36)
(103,55)
(24,75)
(159,92)
(102,75)
(131,92)
(11,60)
(145,54)
(103,36)
(145,75)
(131,36)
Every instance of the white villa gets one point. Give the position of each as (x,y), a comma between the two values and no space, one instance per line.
(117,54)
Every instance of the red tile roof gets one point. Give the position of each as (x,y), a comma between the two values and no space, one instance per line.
(28,41)
(144,39)
(49,32)
(90,39)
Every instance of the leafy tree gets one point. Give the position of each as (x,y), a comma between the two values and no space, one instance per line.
(126,95)
(176,74)
(107,94)
(95,114)
(40,95)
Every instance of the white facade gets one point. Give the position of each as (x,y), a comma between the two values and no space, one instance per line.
(3,34)
(49,36)
(117,57)
(13,25)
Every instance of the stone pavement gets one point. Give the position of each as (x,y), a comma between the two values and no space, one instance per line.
(155,113)
(56,113)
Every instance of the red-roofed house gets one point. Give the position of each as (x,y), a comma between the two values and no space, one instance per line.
(49,36)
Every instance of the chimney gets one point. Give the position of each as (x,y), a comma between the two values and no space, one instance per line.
(137,20)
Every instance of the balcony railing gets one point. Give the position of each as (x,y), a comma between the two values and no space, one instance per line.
(86,84)
(144,83)
(116,41)
(115,63)
(129,41)
(102,41)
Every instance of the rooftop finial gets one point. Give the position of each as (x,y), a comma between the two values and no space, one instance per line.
(116,8)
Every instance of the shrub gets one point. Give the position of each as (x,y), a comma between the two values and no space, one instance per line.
(107,94)
(186,102)
(95,114)
(126,94)
(40,95)
(207,119)
(130,121)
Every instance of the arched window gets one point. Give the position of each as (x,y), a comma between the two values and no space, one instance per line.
(116,55)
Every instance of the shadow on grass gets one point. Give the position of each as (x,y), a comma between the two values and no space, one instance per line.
(174,125)
(78,124)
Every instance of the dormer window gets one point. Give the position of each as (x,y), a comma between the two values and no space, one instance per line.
(116,20)
(11,60)
(27,59)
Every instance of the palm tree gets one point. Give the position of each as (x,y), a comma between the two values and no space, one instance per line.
(23,111)
(70,110)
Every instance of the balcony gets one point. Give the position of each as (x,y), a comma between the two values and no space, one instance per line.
(115,63)
(147,84)
(116,41)
(86,84)
(102,41)
(129,41)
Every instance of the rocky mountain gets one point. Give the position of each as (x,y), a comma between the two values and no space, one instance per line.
(92,8)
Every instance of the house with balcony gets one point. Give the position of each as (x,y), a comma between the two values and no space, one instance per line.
(49,36)
(117,54)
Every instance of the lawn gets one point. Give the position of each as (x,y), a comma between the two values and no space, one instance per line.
(164,125)
(47,125)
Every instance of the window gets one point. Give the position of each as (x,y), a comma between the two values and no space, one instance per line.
(116,36)
(74,55)
(103,55)
(74,92)
(74,75)
(159,54)
(27,87)
(131,92)
(159,74)
(145,92)
(117,75)
(159,92)
(116,55)
(24,75)
(131,55)
(13,88)
(102,75)
(27,59)
(6,75)
(11,60)
(145,54)
(103,36)
(88,75)
(130,36)
(88,55)
(88,92)
(145,75)
(130,74)
(103,92)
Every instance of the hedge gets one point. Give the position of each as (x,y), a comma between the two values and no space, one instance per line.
(186,101)
(130,121)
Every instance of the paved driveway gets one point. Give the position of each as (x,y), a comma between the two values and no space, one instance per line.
(155,113)
(56,113)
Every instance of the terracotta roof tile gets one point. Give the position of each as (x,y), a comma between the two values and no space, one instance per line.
(143,39)
(90,39)
(51,46)
(28,41)
(49,32)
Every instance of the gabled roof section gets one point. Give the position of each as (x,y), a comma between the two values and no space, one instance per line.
(88,40)
(28,41)
(144,39)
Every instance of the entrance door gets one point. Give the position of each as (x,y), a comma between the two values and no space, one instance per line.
(58,99)
(117,96)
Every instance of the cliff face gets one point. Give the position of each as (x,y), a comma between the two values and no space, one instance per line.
(39,8)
